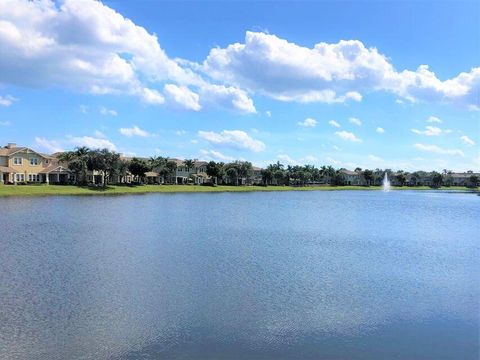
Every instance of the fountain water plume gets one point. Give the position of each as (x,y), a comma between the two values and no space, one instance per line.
(386,183)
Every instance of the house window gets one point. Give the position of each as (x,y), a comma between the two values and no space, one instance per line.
(17,161)
(33,161)
(33,177)
(19,177)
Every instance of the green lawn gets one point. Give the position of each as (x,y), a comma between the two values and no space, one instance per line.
(44,190)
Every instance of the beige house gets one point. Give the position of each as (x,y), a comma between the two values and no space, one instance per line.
(352,177)
(19,164)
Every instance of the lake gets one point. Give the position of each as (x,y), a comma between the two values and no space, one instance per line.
(278,275)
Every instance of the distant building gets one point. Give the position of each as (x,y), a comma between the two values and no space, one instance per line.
(352,177)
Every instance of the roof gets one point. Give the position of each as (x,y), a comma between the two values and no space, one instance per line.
(6,169)
(56,168)
(4,151)
(463,175)
(348,172)
(151,174)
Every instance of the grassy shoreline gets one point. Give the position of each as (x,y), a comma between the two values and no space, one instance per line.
(53,190)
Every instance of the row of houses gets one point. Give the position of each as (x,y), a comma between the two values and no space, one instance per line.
(20,164)
(419,178)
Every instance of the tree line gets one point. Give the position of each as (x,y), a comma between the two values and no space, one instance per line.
(110,164)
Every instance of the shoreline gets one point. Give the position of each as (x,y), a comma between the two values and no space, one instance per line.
(72,190)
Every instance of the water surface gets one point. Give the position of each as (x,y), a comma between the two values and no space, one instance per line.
(288,275)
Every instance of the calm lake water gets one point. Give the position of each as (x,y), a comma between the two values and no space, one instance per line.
(290,275)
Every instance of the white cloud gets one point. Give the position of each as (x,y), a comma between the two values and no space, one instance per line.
(268,113)
(434,119)
(51,146)
(337,72)
(92,142)
(99,134)
(151,96)
(134,131)
(429,131)
(5,123)
(334,123)
(182,96)
(375,159)
(284,158)
(82,45)
(215,156)
(227,97)
(438,150)
(335,147)
(466,140)
(180,132)
(348,136)
(355,121)
(380,130)
(6,100)
(308,122)
(107,112)
(233,138)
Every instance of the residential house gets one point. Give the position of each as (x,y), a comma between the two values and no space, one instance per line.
(352,177)
(19,164)
(197,174)
(461,179)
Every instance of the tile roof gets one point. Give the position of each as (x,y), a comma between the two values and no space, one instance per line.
(6,169)
(53,168)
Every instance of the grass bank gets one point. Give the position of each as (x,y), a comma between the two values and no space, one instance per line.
(46,190)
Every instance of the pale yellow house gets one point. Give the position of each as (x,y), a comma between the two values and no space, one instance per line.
(19,164)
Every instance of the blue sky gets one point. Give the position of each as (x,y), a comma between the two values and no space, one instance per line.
(370,84)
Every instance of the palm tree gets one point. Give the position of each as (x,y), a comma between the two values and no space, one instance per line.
(474,180)
(368,176)
(232,174)
(189,164)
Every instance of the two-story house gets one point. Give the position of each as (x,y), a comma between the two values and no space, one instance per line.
(19,164)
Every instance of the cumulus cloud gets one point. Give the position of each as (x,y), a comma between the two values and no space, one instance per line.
(466,140)
(86,46)
(438,150)
(380,130)
(216,156)
(348,136)
(134,131)
(434,119)
(226,97)
(355,121)
(182,96)
(92,142)
(82,45)
(151,96)
(337,72)
(334,123)
(50,146)
(429,131)
(7,100)
(308,122)
(107,112)
(233,138)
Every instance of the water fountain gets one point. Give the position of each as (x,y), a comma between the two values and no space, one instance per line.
(386,183)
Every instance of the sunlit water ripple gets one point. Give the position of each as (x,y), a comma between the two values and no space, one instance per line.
(290,275)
